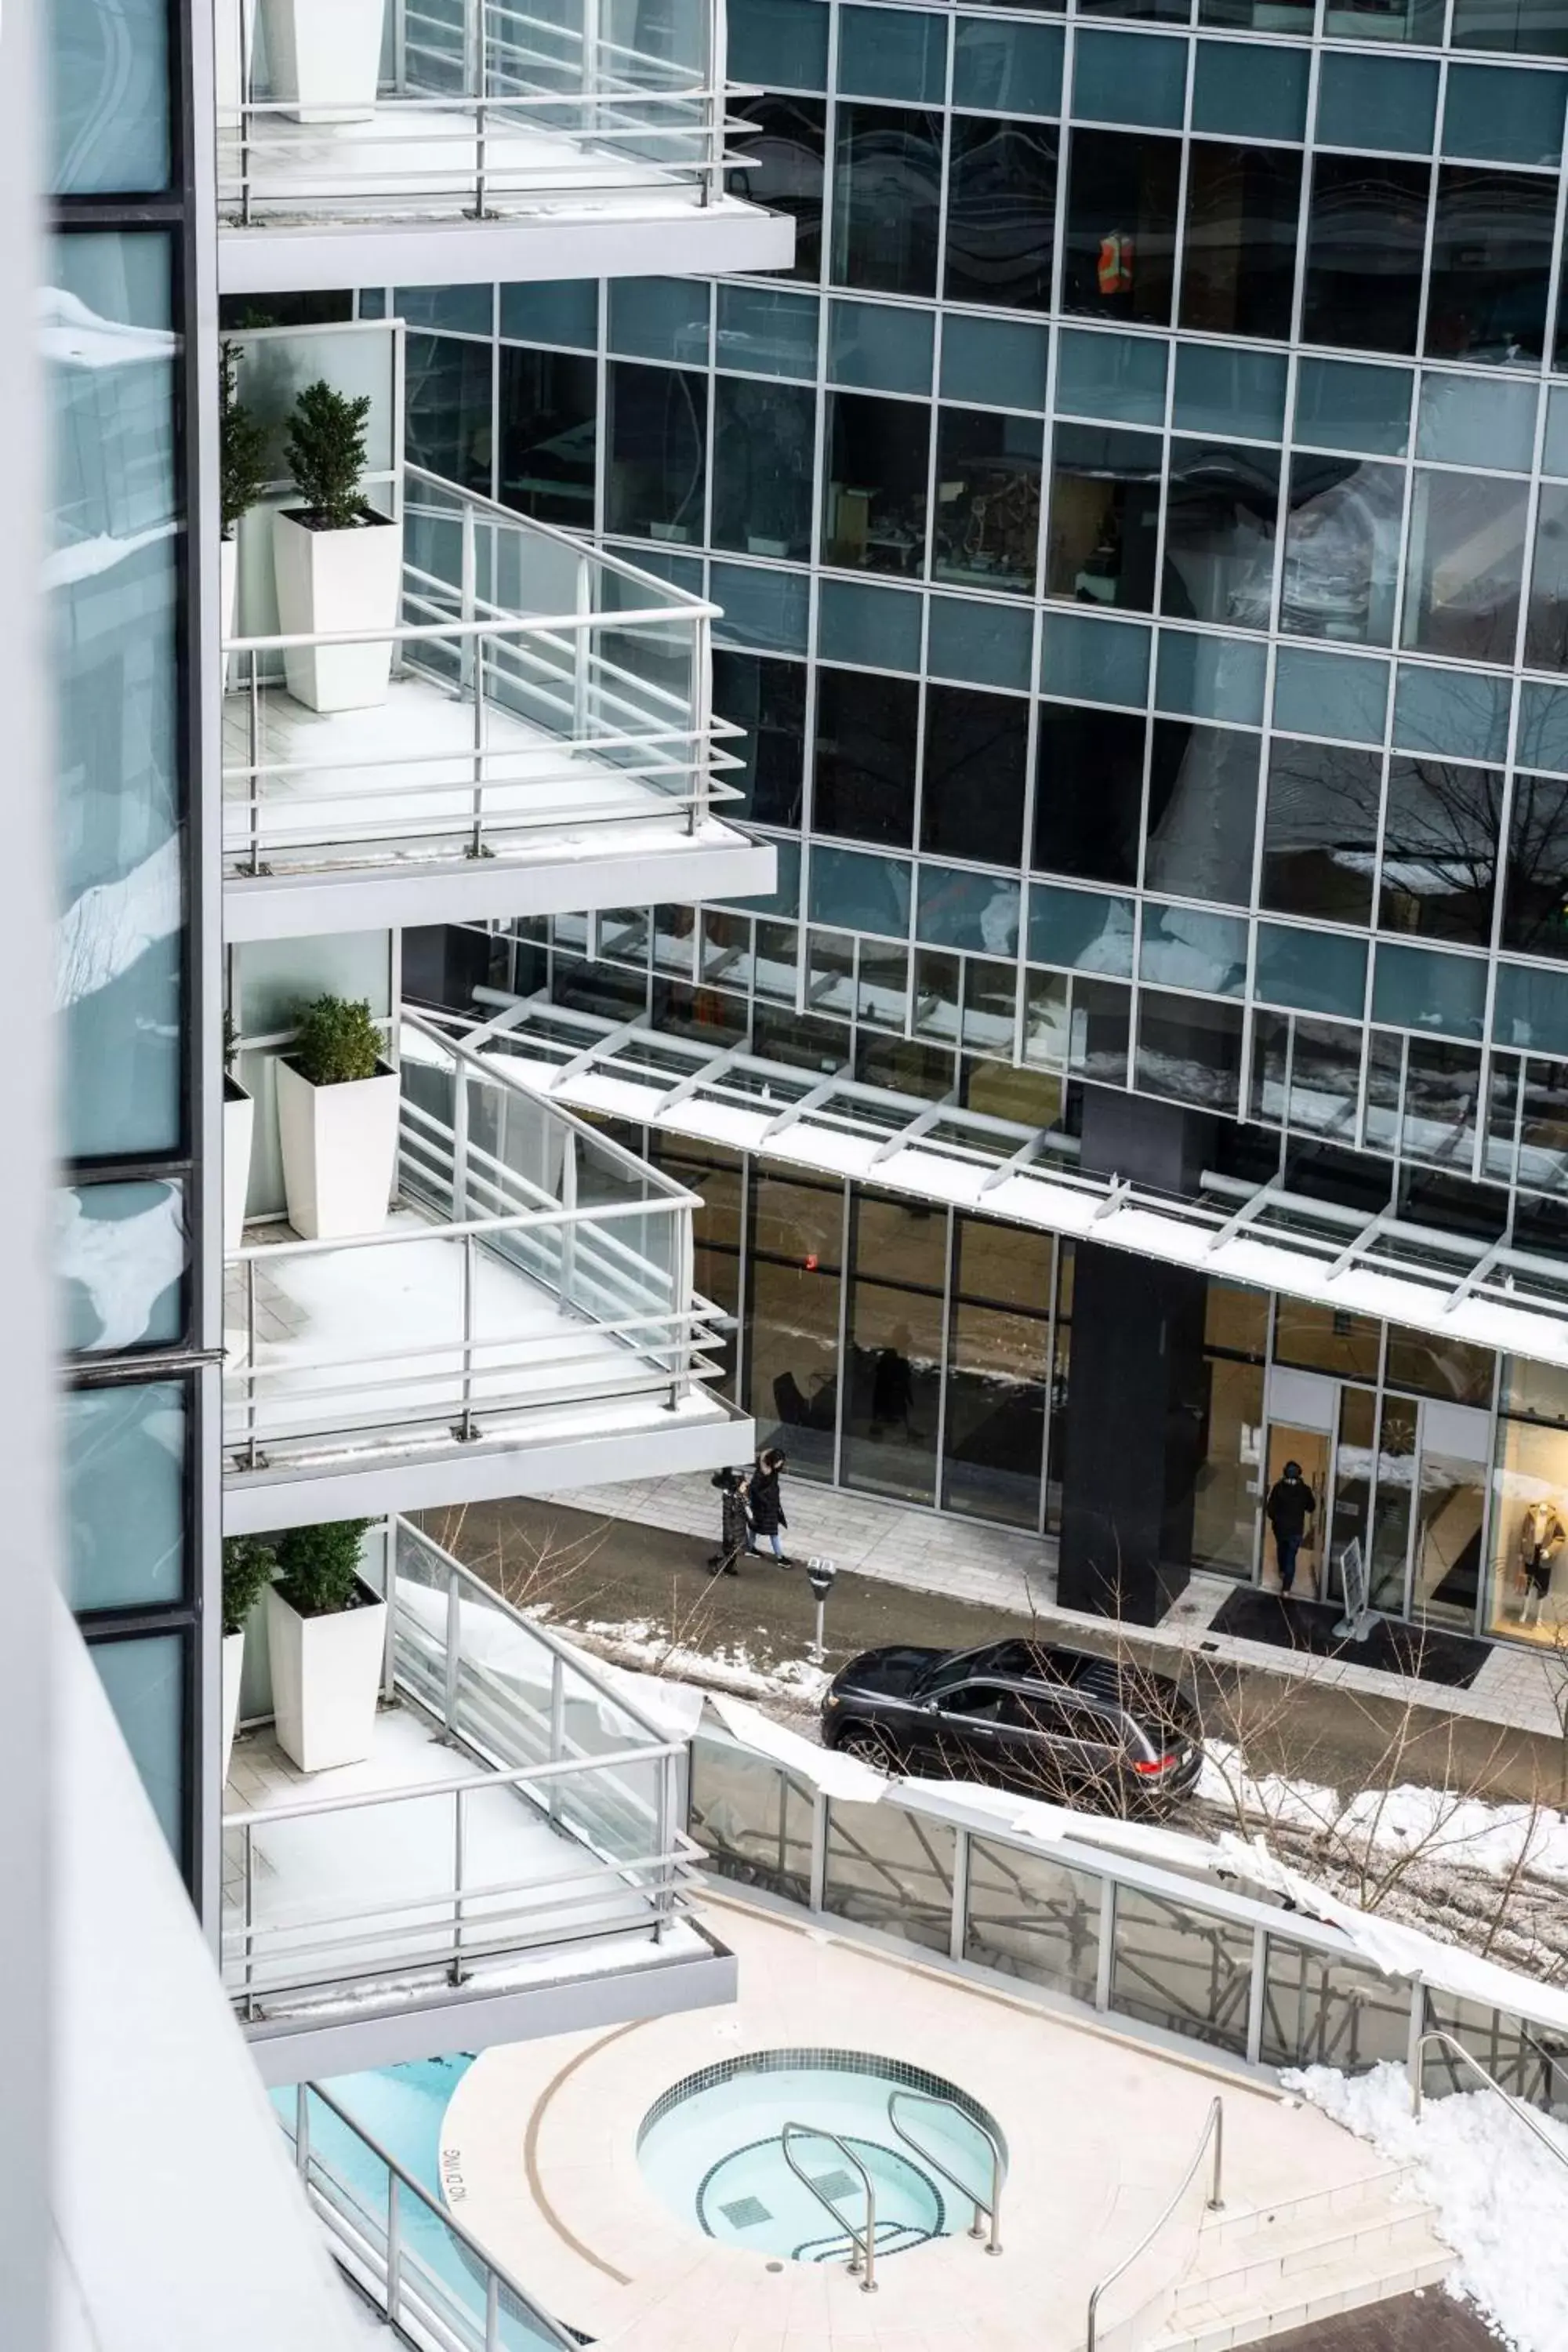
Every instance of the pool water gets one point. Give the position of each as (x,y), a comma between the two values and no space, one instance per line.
(714,2151)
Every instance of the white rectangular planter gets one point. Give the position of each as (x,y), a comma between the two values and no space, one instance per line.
(330,581)
(238,1127)
(323,57)
(340,1152)
(326,1675)
(233,1667)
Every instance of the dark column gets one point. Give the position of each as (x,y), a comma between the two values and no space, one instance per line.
(1136,1396)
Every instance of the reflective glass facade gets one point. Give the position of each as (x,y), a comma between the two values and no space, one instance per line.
(114,332)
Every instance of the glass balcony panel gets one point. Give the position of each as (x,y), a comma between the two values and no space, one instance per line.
(1034,1918)
(1185,1970)
(891,1869)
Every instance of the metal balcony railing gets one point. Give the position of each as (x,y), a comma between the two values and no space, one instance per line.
(538,688)
(568,1835)
(482,107)
(552,1270)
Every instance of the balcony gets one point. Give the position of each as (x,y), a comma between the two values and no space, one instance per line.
(510,1850)
(484,141)
(546,743)
(524,1319)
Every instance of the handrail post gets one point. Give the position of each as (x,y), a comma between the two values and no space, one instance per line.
(465,1428)
(252,1453)
(663,1835)
(455,1971)
(1216,2200)
(246,100)
(393,2250)
(468,577)
(492,2310)
(302,2131)
(249,1915)
(557,1730)
(451,1665)
(477,833)
(253,738)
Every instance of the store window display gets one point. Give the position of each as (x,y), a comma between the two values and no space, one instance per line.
(1528,1595)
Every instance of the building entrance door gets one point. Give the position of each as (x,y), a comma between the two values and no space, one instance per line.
(1309,1447)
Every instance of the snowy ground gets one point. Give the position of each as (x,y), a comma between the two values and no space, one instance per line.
(1499,2196)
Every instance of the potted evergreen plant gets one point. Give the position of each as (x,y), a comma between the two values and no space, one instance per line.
(248,1567)
(337,1122)
(326,1630)
(338,563)
(324,56)
(242,478)
(238,1129)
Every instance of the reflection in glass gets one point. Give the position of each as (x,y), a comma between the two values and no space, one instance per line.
(891,1869)
(657,463)
(1185,1970)
(108,113)
(1105,516)
(1535,887)
(792,1368)
(1442,1103)
(1319,830)
(866,733)
(1202,812)
(124,1496)
(449,409)
(753,1820)
(1225,1492)
(1365,247)
(145,1682)
(873,486)
(1238,265)
(1391,1509)
(1189,1050)
(887,184)
(781,167)
(1320,2010)
(549,434)
(894,1368)
(1032,1917)
(120,1253)
(1121,225)
(1306,1075)
(1221,514)
(1001,209)
(1089,792)
(1325,1339)
(977,754)
(1491,263)
(1546,617)
(1440,849)
(763,437)
(987,499)
(768,699)
(1466,565)
(1342,550)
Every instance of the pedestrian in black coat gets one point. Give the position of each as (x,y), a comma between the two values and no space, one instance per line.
(766,1504)
(734,1530)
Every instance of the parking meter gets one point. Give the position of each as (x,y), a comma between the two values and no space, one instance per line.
(821,1573)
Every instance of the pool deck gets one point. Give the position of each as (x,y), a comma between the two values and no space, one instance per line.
(539,2161)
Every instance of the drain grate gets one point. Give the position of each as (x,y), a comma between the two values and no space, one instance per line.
(834,2184)
(745,2212)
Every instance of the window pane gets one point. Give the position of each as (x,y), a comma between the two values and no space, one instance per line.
(146,1681)
(1439,849)
(866,733)
(987,499)
(1466,565)
(874,492)
(976,753)
(120,1253)
(792,1368)
(1504,25)
(1371,102)
(886,200)
(1222,390)
(125,1474)
(891,1869)
(1243,229)
(1364,252)
(1189,1051)
(1121,225)
(880,347)
(1010,69)
(1535,902)
(107,67)
(1203,811)
(1183,947)
(996,1414)
(1115,379)
(549,434)
(659,439)
(1221,516)
(1001,210)
(115,666)
(1033,1918)
(768,699)
(1316,971)
(1546,620)
(448,402)
(1089,833)
(895,1347)
(1342,550)
(763,447)
(1181,1969)
(781,163)
(1491,262)
(1105,516)
(1319,830)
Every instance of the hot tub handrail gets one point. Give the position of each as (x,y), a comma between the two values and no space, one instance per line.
(865,2254)
(993,2210)
(1212,2129)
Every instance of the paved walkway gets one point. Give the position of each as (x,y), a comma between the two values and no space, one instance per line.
(965,1560)
(1430,2322)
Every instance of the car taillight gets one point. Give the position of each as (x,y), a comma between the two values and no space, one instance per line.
(1160,1764)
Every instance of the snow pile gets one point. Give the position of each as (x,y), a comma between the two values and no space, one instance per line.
(1499,2197)
(1495,1839)
(725,1666)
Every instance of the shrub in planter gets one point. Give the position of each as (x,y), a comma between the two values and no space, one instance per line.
(239,1131)
(248,1567)
(337,1122)
(241,477)
(339,564)
(325,1630)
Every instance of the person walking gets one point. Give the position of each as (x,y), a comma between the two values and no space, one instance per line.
(766,1504)
(734,1530)
(1290,1505)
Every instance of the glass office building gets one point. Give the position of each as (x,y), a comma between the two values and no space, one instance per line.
(1138,518)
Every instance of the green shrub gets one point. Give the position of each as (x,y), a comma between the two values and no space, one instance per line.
(242,444)
(319,1567)
(336,1042)
(247,1568)
(326,454)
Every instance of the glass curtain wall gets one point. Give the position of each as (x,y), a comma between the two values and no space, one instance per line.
(114,322)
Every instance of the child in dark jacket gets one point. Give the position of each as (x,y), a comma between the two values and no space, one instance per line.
(734,1525)
(766,1504)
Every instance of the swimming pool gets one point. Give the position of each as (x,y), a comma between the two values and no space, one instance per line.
(775,2153)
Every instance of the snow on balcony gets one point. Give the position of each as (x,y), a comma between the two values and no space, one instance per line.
(548,729)
(515,1824)
(530,1291)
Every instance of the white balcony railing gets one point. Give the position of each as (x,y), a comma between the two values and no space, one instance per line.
(552,1822)
(533,1281)
(482,108)
(539,689)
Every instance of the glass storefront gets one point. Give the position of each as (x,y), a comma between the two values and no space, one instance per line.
(1529,1581)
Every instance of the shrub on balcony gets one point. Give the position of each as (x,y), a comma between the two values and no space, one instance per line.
(336,1042)
(242,442)
(319,1567)
(327,458)
(247,1569)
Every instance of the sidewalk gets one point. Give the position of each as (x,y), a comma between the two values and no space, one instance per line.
(995,1568)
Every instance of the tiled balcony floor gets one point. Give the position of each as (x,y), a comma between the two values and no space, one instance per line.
(395,783)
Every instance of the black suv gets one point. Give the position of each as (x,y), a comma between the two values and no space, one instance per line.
(1049,1722)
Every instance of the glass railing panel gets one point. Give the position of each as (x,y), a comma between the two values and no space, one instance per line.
(1033,1918)
(1320,2009)
(1187,1971)
(752,1818)
(891,1869)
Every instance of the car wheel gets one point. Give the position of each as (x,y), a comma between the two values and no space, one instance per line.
(871,1746)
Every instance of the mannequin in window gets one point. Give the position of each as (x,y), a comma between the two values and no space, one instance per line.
(1542,1537)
